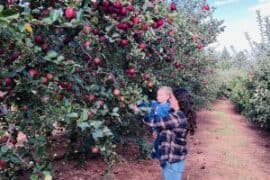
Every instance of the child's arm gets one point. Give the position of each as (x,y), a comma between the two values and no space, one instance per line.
(143,103)
(155,134)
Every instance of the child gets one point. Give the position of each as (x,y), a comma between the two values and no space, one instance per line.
(159,109)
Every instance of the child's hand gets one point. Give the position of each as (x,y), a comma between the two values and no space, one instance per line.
(134,108)
(154,134)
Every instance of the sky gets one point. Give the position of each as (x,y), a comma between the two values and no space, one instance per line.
(239,17)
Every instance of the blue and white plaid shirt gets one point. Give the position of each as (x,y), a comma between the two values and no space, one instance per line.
(172,137)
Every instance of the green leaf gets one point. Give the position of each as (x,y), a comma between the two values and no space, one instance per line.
(34,177)
(47,175)
(72,115)
(107,131)
(20,69)
(115,109)
(109,28)
(47,20)
(68,62)
(98,133)
(50,55)
(79,14)
(84,115)
(146,2)
(29,42)
(84,125)
(1,8)
(85,3)
(9,18)
(67,102)
(54,16)
(4,149)
(115,35)
(104,112)
(21,27)
(115,114)
(78,79)
(96,124)
(14,159)
(59,59)
(37,49)
(94,87)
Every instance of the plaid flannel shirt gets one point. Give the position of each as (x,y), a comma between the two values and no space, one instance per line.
(172,138)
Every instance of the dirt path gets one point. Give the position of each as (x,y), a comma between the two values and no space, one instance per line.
(225,147)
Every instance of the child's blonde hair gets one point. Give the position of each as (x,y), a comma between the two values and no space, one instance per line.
(166,89)
(173,101)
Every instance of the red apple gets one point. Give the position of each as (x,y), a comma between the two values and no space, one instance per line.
(87,29)
(199,46)
(117,4)
(160,22)
(116,92)
(150,84)
(69,86)
(86,44)
(168,59)
(146,27)
(69,13)
(136,20)
(173,6)
(3,164)
(49,76)
(38,39)
(90,97)
(123,26)
(14,56)
(124,42)
(94,150)
(142,46)
(33,73)
(90,114)
(146,76)
(4,139)
(129,7)
(97,61)
(123,11)
(205,7)
(95,32)
(8,81)
(131,71)
(13,141)
(44,80)
(45,47)
(105,3)
(100,102)
(110,77)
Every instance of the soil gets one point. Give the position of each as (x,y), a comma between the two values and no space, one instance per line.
(225,147)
